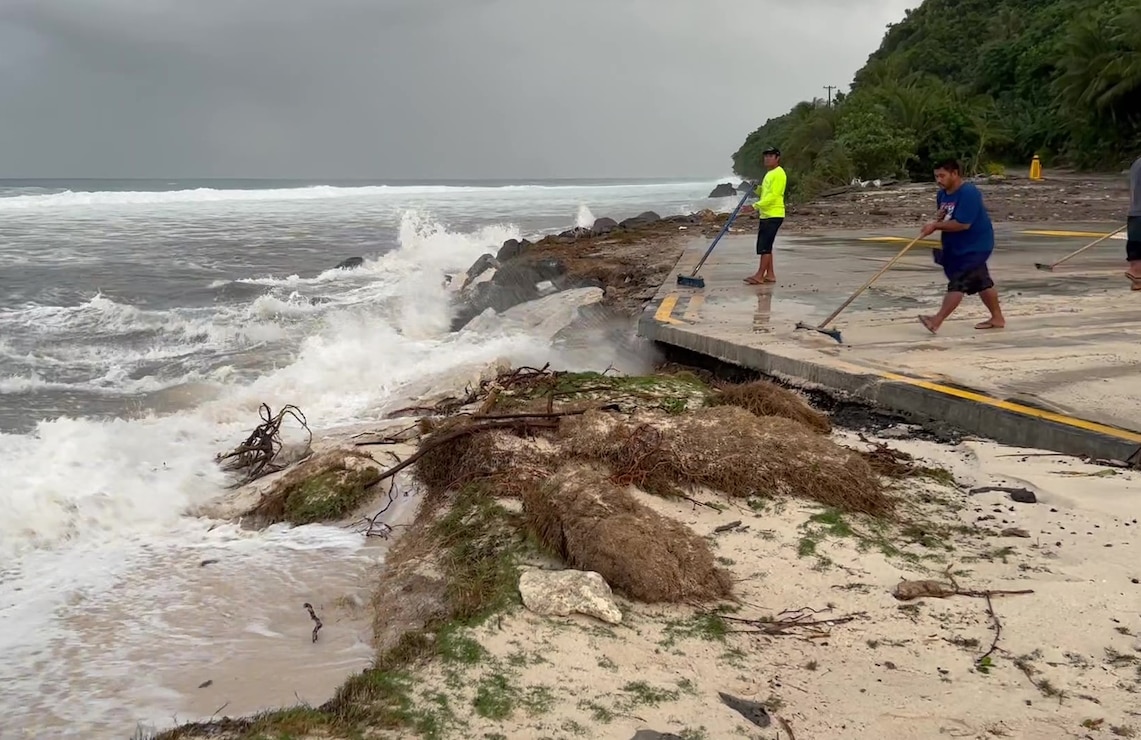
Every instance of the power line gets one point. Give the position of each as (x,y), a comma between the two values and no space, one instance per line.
(830,88)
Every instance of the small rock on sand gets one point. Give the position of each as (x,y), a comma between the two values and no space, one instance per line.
(1023,496)
(564,592)
(753,711)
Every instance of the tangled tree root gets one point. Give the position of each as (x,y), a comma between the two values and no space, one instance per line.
(594,525)
(728,449)
(764,398)
(257,454)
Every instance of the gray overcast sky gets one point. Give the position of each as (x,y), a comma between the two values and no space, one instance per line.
(411,88)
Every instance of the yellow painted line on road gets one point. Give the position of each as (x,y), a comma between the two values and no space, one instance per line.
(894,239)
(1048,232)
(664,314)
(1089,426)
(693,307)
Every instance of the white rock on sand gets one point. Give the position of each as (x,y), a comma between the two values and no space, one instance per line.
(560,593)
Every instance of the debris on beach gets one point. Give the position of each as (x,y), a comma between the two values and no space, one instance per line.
(731,450)
(593,524)
(259,454)
(765,398)
(317,625)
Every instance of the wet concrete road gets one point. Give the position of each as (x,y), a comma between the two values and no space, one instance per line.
(1072,345)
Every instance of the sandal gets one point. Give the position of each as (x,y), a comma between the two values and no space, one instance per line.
(926,321)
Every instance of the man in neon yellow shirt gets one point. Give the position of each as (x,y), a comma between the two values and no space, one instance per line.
(770,209)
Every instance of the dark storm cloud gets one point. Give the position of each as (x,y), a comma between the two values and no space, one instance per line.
(410,88)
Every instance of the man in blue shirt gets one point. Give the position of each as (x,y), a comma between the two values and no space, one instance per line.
(968,241)
(1133,226)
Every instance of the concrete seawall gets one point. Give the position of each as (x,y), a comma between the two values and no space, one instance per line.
(1065,375)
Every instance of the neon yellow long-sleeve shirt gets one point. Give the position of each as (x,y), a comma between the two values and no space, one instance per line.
(771,193)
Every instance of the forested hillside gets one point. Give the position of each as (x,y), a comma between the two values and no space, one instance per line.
(987,81)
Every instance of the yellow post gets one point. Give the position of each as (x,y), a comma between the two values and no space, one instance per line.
(1035,168)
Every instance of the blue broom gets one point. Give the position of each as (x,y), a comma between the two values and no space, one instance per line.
(692,280)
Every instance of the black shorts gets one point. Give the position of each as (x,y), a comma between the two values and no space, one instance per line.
(767,234)
(972,281)
(1133,239)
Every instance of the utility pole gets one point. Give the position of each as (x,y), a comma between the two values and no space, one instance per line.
(830,88)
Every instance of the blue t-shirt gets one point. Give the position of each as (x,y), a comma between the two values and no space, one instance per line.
(968,249)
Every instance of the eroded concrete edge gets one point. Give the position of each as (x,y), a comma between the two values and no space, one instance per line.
(920,404)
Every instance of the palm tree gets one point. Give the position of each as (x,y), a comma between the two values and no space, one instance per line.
(1099,72)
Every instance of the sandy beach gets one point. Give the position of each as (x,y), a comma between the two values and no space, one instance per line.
(872,580)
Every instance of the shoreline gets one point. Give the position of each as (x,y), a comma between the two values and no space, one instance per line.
(451,664)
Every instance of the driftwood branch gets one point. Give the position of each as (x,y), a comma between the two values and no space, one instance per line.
(800,622)
(257,453)
(911,590)
(313,616)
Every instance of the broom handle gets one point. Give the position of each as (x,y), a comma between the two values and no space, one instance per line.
(724,230)
(868,284)
(1088,246)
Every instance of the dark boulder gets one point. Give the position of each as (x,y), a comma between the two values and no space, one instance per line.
(575,234)
(745,186)
(603,225)
(512,284)
(350,264)
(483,264)
(528,273)
(511,249)
(723,190)
(642,219)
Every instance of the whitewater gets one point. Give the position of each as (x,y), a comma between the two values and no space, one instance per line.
(140,329)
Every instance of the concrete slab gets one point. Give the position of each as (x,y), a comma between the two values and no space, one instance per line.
(1064,375)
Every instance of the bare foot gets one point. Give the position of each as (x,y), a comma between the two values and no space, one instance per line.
(753,280)
(1135,279)
(769,280)
(928,323)
(992,324)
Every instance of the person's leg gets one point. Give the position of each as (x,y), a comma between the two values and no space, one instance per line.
(951,301)
(767,269)
(764,252)
(979,281)
(769,273)
(990,300)
(1133,250)
(757,277)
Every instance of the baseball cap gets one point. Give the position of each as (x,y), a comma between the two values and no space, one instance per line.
(772,150)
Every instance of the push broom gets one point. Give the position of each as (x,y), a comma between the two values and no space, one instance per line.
(692,280)
(835,333)
(1076,252)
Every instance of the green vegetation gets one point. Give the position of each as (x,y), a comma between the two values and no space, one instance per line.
(673,393)
(986,81)
(330,495)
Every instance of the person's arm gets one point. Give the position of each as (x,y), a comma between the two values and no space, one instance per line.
(754,207)
(940,213)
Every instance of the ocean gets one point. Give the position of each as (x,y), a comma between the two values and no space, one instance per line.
(141,325)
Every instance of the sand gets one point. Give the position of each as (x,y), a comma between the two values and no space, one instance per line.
(1068,658)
